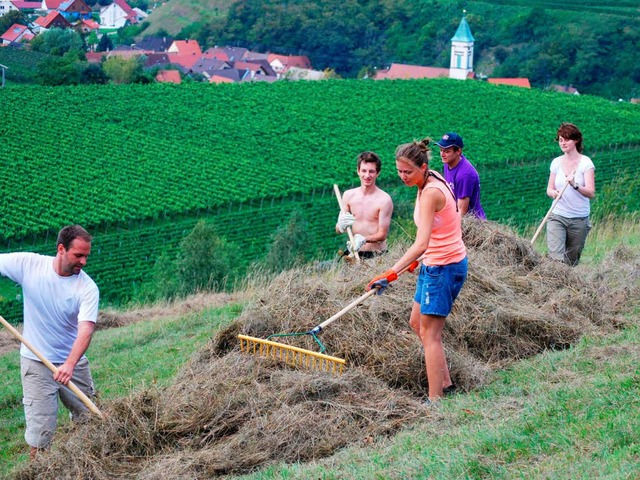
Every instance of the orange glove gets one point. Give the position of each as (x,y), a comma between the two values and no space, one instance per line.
(415,264)
(381,282)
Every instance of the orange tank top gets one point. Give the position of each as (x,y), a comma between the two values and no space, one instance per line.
(445,244)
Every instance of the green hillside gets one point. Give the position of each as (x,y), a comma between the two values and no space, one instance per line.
(139,165)
(174,15)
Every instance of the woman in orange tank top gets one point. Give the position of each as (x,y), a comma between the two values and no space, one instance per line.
(439,245)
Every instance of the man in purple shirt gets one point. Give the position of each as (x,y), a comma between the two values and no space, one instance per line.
(461,176)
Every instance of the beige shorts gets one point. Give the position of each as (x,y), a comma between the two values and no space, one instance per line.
(40,395)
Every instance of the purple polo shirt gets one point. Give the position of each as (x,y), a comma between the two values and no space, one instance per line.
(465,182)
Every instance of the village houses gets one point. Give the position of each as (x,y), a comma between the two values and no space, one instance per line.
(222,64)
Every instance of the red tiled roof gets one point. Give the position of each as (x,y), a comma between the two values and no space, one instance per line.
(186,47)
(254,67)
(516,82)
(220,79)
(21,4)
(15,32)
(403,71)
(186,61)
(217,53)
(53,4)
(169,76)
(126,7)
(92,24)
(50,18)
(95,57)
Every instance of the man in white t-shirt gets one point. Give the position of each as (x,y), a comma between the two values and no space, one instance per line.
(60,313)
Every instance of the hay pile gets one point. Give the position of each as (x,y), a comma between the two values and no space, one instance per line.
(231,413)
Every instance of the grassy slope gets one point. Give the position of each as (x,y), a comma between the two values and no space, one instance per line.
(569,414)
(174,15)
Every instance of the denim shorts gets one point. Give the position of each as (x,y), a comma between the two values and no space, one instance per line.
(438,286)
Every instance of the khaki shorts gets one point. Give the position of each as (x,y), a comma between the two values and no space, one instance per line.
(40,395)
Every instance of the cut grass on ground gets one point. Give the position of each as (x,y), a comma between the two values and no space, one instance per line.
(562,415)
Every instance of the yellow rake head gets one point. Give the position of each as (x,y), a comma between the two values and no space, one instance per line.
(298,357)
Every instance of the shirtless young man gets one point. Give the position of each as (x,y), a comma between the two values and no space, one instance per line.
(368,210)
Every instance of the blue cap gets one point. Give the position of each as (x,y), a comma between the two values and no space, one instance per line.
(451,139)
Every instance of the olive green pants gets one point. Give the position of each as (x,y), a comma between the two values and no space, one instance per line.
(566,238)
(40,393)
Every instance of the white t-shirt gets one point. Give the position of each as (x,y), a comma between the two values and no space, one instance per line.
(572,204)
(53,304)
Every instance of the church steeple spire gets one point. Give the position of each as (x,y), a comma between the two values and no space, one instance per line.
(462,51)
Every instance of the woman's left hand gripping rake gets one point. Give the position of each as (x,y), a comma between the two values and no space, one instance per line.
(301,357)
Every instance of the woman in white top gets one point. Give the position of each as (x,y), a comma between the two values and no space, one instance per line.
(568,224)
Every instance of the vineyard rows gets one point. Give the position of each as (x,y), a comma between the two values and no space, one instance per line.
(103,155)
(124,254)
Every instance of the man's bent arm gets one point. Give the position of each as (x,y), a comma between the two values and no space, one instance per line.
(463,205)
(80,346)
(347,208)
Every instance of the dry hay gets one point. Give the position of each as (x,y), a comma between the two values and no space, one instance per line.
(229,412)
(515,304)
(228,415)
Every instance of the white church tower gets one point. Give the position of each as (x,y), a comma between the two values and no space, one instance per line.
(461,52)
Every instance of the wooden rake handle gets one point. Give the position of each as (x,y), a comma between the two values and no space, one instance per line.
(553,205)
(349,231)
(354,304)
(88,403)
